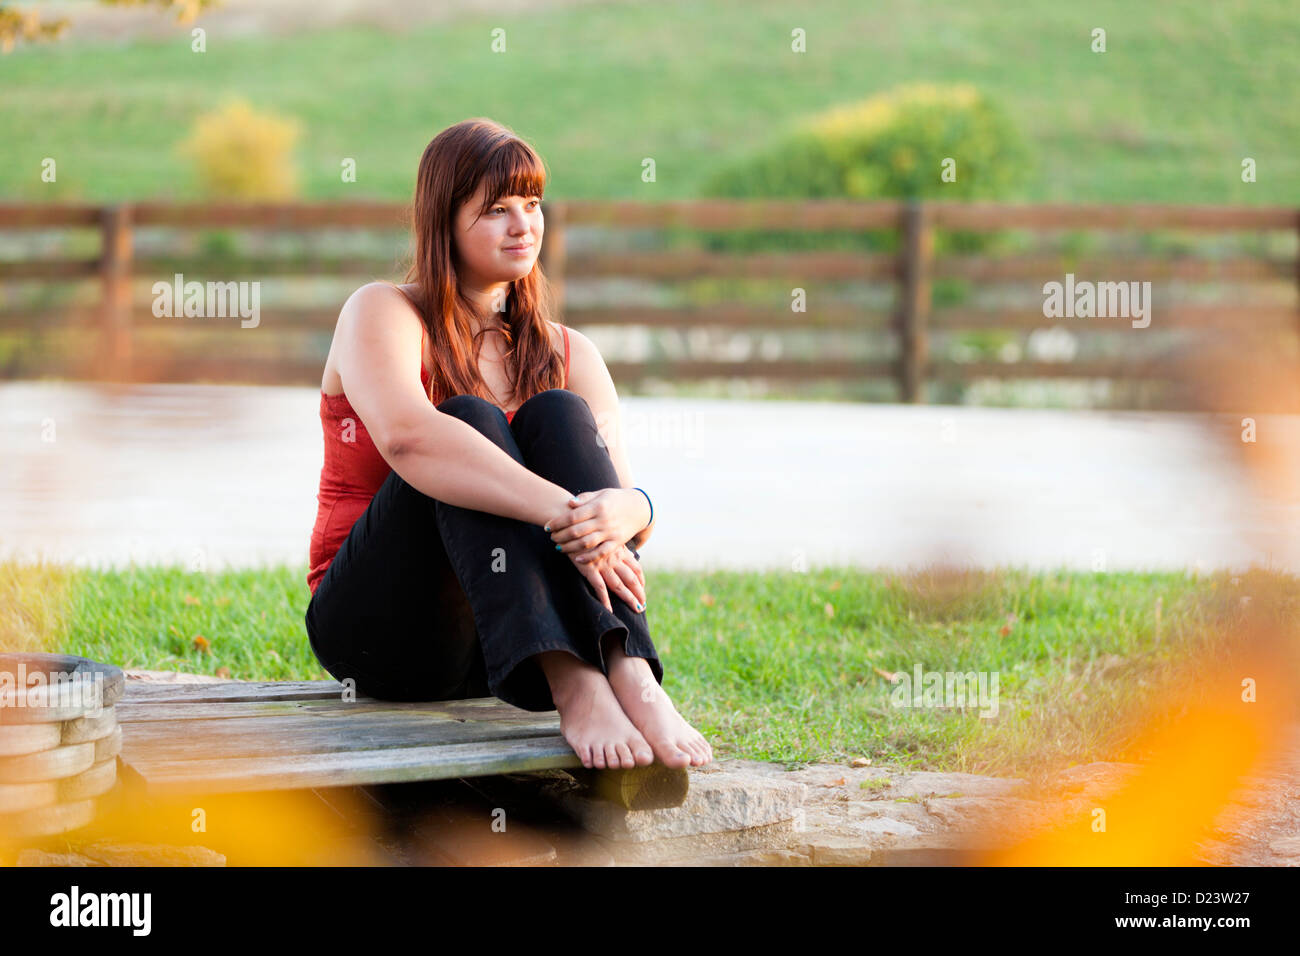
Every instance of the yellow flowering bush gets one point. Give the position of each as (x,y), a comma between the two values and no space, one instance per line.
(893,145)
(240,153)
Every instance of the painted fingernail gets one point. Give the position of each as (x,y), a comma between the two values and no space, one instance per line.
(547,529)
(558,548)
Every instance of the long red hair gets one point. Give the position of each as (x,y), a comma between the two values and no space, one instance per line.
(453,165)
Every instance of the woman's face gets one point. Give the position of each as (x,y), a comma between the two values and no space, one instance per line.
(483,244)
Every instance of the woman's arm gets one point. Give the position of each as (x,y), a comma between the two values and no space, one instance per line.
(590,378)
(378,341)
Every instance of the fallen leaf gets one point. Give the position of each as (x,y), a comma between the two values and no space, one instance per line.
(223,672)
(201,643)
(191,600)
(707,599)
(892,678)
(860,762)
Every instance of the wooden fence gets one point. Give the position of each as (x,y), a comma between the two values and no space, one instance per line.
(50,303)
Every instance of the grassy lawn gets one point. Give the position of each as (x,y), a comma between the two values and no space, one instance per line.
(783,666)
(1185,90)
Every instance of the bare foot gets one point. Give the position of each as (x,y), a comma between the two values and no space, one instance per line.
(676,743)
(591,719)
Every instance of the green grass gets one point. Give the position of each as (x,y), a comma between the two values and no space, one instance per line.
(776,666)
(1184,92)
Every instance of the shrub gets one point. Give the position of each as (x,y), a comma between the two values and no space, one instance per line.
(244,154)
(890,146)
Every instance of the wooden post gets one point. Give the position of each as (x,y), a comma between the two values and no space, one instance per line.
(654,787)
(552,255)
(115,271)
(914,301)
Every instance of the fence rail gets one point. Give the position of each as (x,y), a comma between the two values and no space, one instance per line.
(113,270)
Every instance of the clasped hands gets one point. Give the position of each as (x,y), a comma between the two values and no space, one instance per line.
(593,533)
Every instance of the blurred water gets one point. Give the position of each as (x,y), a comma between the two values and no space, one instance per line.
(217,476)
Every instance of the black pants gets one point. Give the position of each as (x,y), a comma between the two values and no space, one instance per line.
(429,601)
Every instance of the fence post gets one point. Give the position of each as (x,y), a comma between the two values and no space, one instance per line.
(115,272)
(914,301)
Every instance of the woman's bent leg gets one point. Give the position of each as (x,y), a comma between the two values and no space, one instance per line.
(556,432)
(389,612)
(429,601)
(522,594)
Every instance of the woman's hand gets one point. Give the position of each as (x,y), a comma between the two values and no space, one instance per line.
(618,571)
(599,523)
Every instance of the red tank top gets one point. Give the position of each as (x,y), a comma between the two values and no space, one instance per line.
(353,471)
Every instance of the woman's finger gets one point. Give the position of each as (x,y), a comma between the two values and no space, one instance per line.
(623,580)
(618,586)
(598,585)
(600,551)
(588,541)
(635,562)
(629,578)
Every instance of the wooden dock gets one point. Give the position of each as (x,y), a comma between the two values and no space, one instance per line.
(242,736)
(421,778)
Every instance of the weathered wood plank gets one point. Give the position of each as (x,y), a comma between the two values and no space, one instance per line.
(268,215)
(734,213)
(1037,268)
(232,690)
(1238,316)
(693,263)
(47,215)
(1055,216)
(270,736)
(437,762)
(484,708)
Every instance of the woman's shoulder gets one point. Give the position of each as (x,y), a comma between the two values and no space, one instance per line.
(378,303)
(586,364)
(381,295)
(579,344)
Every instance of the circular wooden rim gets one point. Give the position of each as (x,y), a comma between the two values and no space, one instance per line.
(81,668)
(48,764)
(16,740)
(46,821)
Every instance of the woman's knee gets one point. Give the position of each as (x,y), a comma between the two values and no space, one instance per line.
(471,408)
(554,401)
(482,415)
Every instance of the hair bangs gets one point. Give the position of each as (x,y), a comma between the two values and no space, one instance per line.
(513,170)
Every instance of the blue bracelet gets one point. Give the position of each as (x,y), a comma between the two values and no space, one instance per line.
(652,507)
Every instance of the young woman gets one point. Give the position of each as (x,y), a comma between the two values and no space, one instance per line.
(477,528)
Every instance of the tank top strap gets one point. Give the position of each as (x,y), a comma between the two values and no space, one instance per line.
(565,330)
